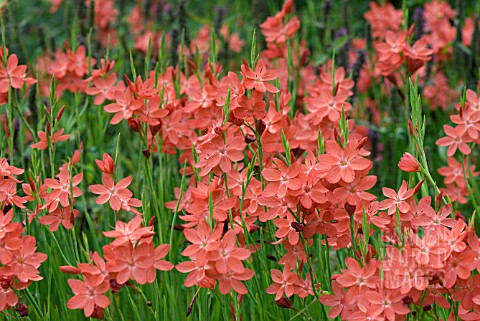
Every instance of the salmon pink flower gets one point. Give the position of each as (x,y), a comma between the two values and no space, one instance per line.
(342,163)
(96,273)
(13,75)
(390,302)
(56,137)
(285,283)
(132,263)
(78,61)
(8,171)
(473,99)
(196,274)
(106,165)
(26,261)
(64,187)
(8,194)
(111,192)
(397,200)
(124,106)
(286,229)
(454,172)
(88,296)
(237,91)
(253,106)
(130,232)
(259,78)
(144,89)
(392,48)
(103,89)
(328,105)
(355,192)
(228,256)
(358,279)
(8,297)
(430,218)
(275,31)
(232,280)
(383,18)
(62,215)
(160,252)
(282,179)
(459,265)
(455,139)
(221,152)
(468,121)
(337,301)
(205,196)
(203,241)
(408,163)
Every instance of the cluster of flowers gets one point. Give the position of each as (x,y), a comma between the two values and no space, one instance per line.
(431,263)
(18,256)
(433,31)
(105,16)
(458,138)
(12,76)
(321,192)
(132,256)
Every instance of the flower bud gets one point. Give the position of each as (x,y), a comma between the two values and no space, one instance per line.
(349,208)
(60,113)
(411,128)
(260,127)
(297,226)
(22,309)
(249,138)
(284,303)
(408,163)
(134,124)
(146,153)
(106,165)
(70,269)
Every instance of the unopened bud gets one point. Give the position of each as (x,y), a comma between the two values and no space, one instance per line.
(22,309)
(272,258)
(70,269)
(362,143)
(155,129)
(411,128)
(232,312)
(297,226)
(6,282)
(260,127)
(97,313)
(152,220)
(60,113)
(417,187)
(146,153)
(439,200)
(284,303)
(349,208)
(134,124)
(249,138)
(32,184)
(115,286)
